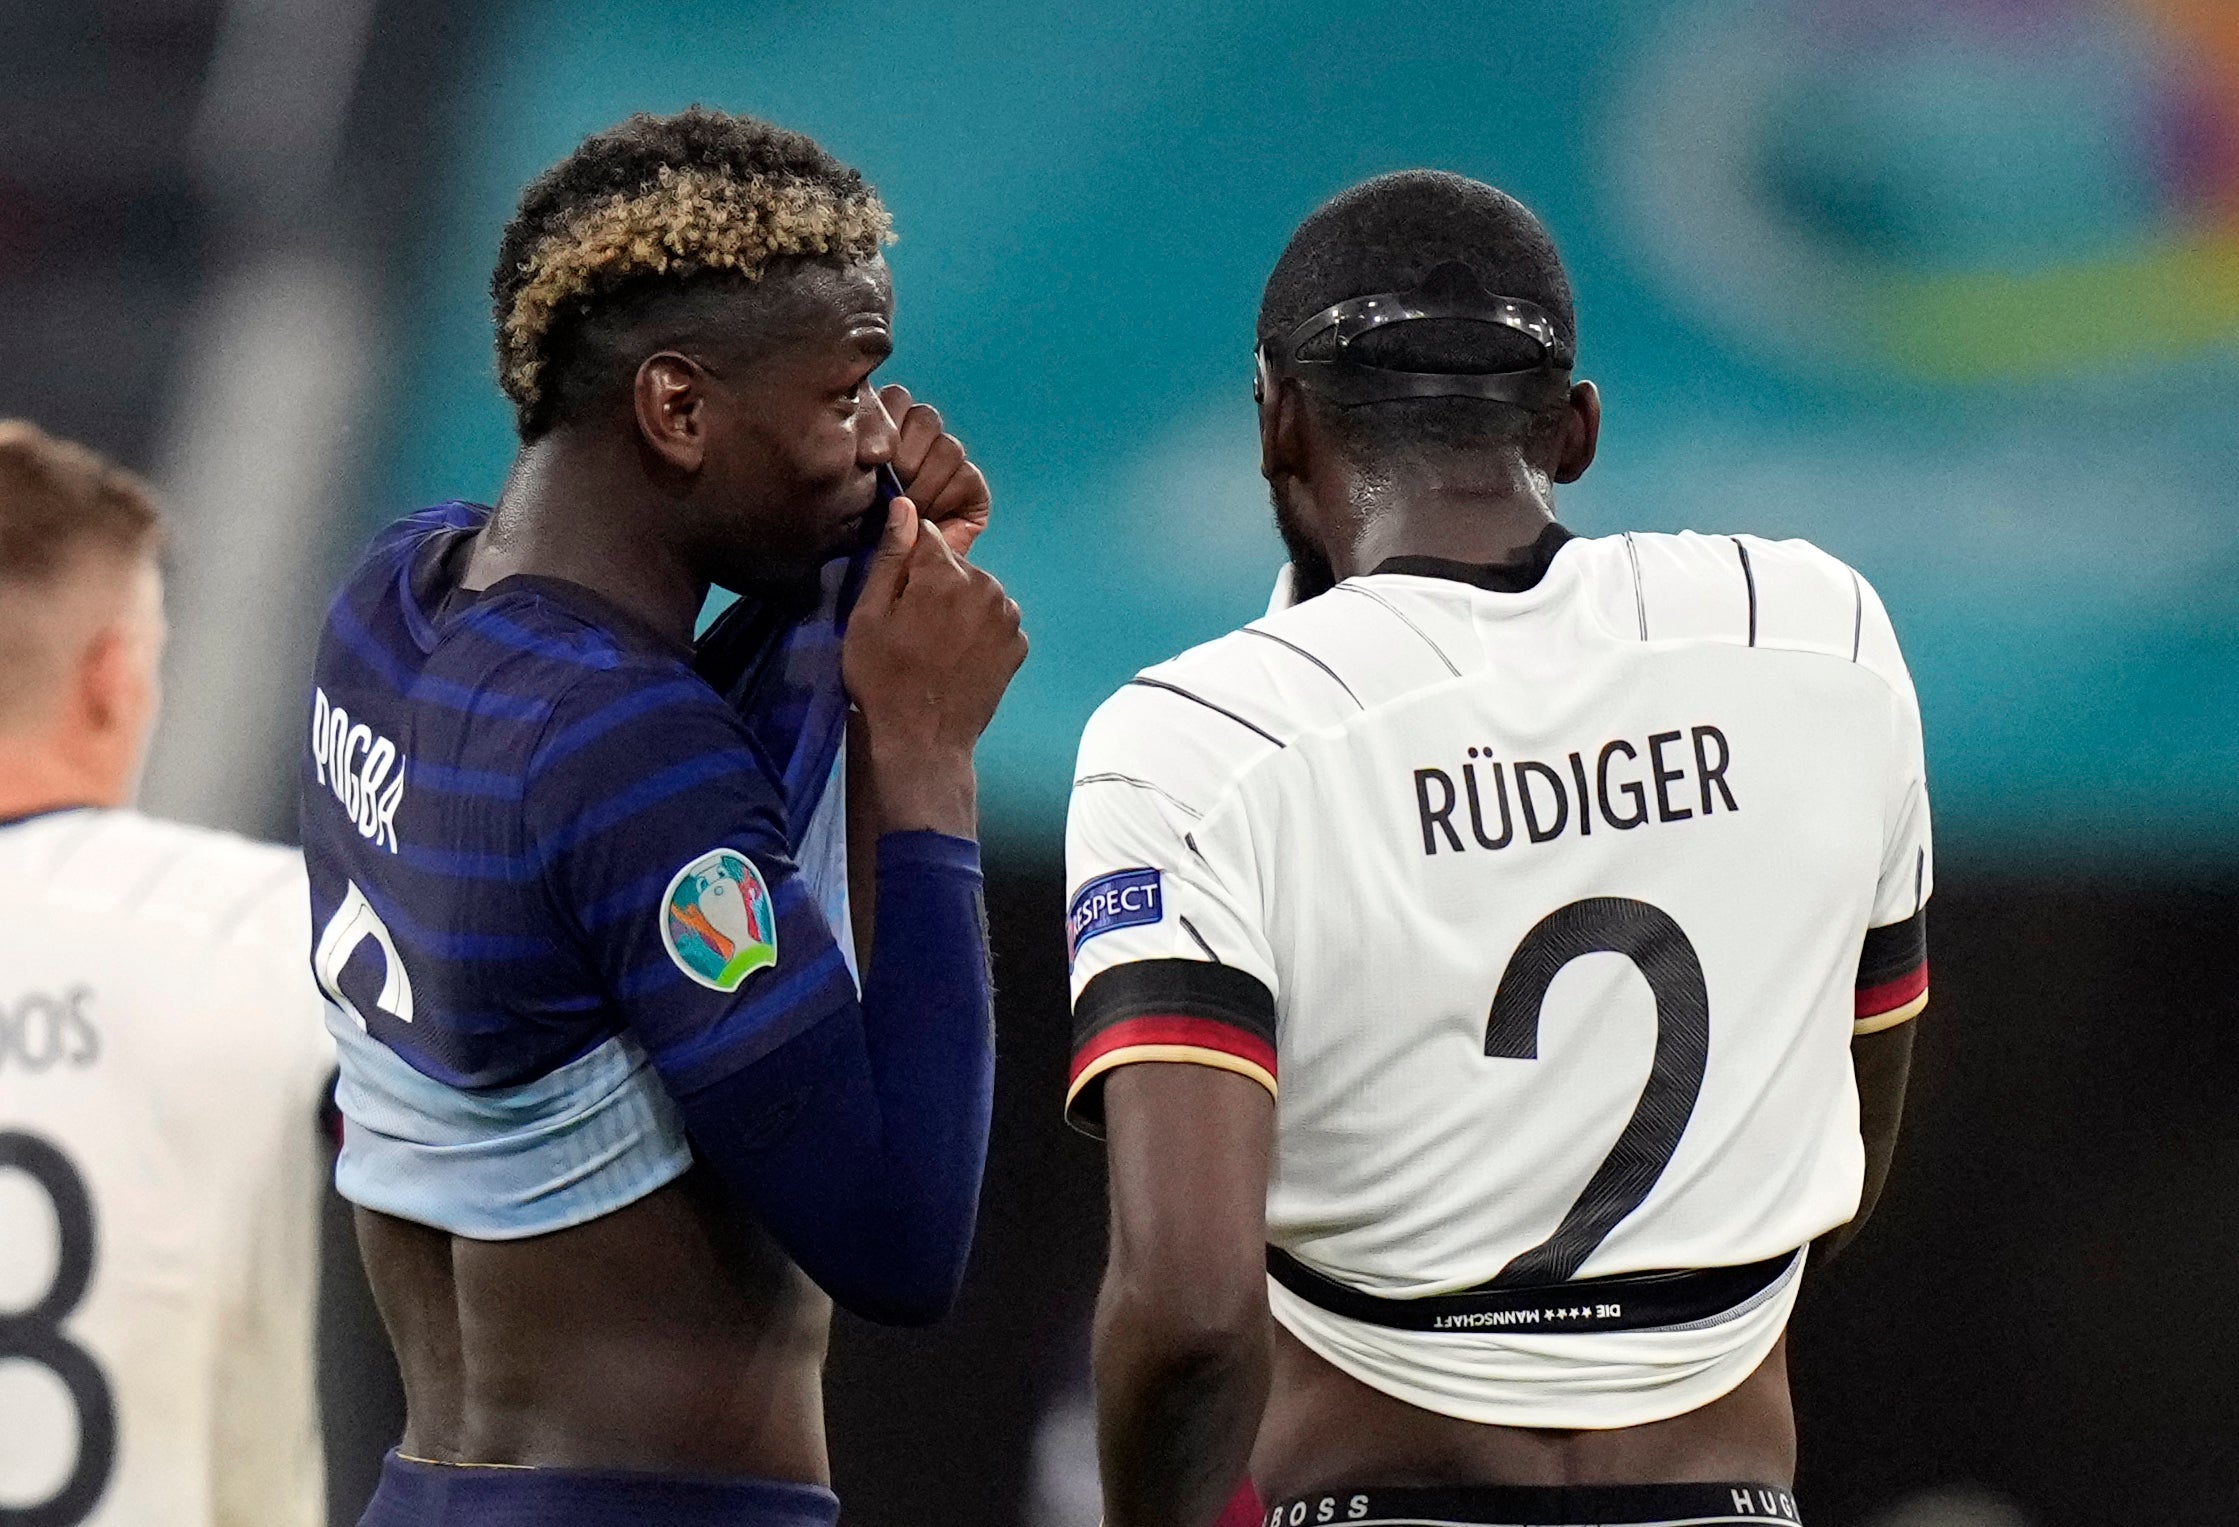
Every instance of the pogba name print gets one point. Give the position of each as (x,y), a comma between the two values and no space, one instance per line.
(355,762)
(1494,803)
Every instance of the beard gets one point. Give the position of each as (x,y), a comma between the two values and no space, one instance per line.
(1311,573)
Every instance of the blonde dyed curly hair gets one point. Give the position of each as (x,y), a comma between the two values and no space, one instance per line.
(652,206)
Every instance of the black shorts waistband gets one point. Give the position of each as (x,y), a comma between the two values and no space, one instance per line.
(1692,1505)
(1626,1302)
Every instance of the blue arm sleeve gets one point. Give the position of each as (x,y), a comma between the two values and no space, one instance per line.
(860,1143)
(854,1128)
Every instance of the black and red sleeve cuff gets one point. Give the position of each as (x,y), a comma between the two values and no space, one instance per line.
(1892,974)
(1171,1010)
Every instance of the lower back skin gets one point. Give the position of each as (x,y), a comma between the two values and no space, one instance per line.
(1325,1430)
(671,1336)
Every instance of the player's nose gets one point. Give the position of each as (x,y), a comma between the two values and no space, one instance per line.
(876,435)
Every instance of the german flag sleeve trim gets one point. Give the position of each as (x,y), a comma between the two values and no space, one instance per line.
(1167,1010)
(1892,975)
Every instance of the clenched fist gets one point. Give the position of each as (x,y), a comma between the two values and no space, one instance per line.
(931,646)
(951,492)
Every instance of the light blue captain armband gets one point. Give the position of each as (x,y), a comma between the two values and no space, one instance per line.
(503,1163)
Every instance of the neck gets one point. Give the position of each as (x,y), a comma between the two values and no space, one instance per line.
(570,511)
(1462,509)
(36,775)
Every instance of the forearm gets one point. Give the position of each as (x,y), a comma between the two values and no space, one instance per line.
(929,1029)
(917,782)
(1182,1334)
(1178,1408)
(1883,1064)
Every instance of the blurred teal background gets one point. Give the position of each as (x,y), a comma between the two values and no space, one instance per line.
(1950,287)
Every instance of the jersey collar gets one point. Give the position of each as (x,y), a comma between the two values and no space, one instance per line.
(434,598)
(1497,577)
(22,817)
(592,606)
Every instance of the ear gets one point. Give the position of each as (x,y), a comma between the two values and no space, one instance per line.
(106,680)
(110,711)
(1582,432)
(118,675)
(1282,425)
(671,398)
(116,681)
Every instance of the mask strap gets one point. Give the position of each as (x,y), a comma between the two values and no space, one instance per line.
(1451,294)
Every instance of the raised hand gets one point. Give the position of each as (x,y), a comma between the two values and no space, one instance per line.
(949,490)
(931,646)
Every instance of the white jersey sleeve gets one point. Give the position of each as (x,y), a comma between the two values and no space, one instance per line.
(1163,926)
(1892,985)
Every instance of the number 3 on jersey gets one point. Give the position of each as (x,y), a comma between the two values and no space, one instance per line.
(1660,950)
(34,1335)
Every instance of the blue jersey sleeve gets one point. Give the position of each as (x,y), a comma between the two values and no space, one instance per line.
(854,1129)
(662,840)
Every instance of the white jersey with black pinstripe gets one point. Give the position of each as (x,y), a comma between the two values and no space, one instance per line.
(1554,894)
(164,1063)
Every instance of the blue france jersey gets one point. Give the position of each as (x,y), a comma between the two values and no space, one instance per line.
(548,864)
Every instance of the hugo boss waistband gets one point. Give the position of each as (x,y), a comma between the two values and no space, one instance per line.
(1626,1302)
(1698,1505)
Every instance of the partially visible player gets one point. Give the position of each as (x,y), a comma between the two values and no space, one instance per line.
(1574,890)
(162,1067)
(616,1107)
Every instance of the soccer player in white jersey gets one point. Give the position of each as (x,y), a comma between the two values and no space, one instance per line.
(162,1067)
(1572,888)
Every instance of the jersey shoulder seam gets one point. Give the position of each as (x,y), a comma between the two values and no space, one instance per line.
(1750,568)
(540,611)
(1231,774)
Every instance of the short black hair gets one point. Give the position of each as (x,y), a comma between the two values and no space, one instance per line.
(1386,235)
(658,218)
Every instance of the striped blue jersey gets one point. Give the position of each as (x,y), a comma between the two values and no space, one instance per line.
(533,830)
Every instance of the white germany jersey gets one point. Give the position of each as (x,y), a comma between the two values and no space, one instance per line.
(162,1065)
(1546,890)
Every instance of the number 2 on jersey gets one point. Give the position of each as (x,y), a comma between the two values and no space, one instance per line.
(1660,951)
(35,1335)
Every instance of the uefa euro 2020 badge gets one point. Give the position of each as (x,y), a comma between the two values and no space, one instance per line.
(717,920)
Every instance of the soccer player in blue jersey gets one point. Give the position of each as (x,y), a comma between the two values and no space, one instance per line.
(616,1108)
